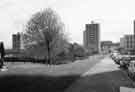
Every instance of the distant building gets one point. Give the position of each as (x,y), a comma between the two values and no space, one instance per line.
(115,46)
(106,43)
(134,33)
(128,42)
(107,46)
(17,41)
(134,27)
(91,37)
(122,42)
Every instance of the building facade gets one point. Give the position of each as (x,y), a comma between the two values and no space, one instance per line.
(105,46)
(91,37)
(128,42)
(108,46)
(134,27)
(17,43)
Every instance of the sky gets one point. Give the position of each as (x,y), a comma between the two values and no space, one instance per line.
(114,16)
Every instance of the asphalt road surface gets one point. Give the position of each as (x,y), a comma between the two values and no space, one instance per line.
(105,76)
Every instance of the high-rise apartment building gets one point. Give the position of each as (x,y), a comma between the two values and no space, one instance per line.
(128,41)
(134,33)
(17,41)
(134,27)
(91,37)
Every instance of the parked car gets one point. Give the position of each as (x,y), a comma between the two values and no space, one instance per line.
(117,59)
(125,61)
(132,57)
(131,70)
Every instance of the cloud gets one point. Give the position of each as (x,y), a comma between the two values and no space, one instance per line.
(5,4)
(115,16)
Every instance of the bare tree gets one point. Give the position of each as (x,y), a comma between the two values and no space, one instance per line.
(44,33)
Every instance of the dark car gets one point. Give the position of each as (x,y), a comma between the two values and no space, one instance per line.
(125,61)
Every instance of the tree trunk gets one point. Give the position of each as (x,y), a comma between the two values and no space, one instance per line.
(48,50)
(49,61)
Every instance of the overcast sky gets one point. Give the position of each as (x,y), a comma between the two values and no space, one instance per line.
(115,16)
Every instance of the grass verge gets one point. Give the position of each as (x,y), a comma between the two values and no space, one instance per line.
(28,77)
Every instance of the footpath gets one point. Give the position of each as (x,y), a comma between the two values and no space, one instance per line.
(105,76)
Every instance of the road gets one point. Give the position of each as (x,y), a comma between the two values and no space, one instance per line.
(105,76)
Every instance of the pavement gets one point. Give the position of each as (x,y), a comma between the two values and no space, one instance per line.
(105,76)
(105,65)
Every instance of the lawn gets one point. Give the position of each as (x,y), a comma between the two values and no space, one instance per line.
(29,77)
